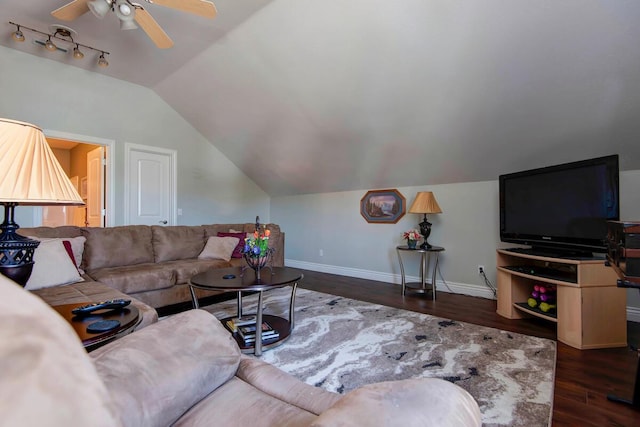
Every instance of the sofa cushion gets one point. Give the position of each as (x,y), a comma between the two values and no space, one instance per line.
(136,278)
(237,403)
(117,246)
(185,269)
(177,242)
(219,248)
(47,377)
(52,266)
(169,366)
(237,252)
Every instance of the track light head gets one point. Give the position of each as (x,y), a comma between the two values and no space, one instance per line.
(102,61)
(76,52)
(50,46)
(18,35)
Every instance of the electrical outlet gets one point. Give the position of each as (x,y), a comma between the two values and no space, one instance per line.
(321,252)
(480,270)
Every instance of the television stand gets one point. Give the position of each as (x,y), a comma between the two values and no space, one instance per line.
(591,310)
(554,253)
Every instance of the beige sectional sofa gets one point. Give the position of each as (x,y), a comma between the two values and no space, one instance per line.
(185,370)
(151,264)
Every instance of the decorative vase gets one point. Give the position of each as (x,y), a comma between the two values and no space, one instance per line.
(257,262)
(412,243)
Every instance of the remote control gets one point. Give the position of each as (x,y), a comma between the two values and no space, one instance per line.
(114,304)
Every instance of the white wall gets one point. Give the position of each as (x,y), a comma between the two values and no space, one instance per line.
(61,98)
(468,228)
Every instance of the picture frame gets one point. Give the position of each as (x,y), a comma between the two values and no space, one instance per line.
(383,206)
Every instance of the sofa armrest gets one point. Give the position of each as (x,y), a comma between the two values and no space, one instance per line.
(415,402)
(281,385)
(156,374)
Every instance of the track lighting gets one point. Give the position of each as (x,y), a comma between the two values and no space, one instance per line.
(102,62)
(76,52)
(50,46)
(17,34)
(65,34)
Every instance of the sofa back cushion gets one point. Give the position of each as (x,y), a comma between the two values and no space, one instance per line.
(157,373)
(47,378)
(117,246)
(177,242)
(51,232)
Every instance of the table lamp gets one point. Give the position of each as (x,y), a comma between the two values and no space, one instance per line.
(425,203)
(29,175)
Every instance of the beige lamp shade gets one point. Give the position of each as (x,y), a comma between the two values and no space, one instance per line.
(425,203)
(29,172)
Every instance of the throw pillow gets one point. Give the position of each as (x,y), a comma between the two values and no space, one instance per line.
(237,252)
(73,245)
(52,266)
(219,248)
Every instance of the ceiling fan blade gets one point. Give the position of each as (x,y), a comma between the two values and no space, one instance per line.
(71,11)
(152,28)
(198,7)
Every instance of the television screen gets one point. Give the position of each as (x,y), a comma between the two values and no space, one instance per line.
(564,207)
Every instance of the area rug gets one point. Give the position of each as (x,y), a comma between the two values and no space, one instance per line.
(340,344)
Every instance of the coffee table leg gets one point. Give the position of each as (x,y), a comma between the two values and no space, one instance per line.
(292,304)
(194,299)
(239,304)
(258,343)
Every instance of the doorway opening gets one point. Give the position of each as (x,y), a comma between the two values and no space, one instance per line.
(85,165)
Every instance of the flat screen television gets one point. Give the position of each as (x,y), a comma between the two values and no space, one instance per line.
(561,209)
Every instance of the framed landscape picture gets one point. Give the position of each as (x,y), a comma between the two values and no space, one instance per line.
(383,206)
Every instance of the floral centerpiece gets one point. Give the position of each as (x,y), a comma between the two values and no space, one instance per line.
(412,237)
(256,251)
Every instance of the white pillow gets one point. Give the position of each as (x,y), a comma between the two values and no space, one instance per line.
(52,266)
(77,247)
(219,248)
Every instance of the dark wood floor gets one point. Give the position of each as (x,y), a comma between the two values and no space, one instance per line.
(583,378)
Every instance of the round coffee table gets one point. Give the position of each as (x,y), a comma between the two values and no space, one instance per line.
(129,317)
(244,280)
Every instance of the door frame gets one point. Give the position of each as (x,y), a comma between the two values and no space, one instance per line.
(173,179)
(109,145)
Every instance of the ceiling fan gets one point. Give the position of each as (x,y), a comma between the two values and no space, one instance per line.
(128,12)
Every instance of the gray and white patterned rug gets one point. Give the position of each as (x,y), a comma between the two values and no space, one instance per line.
(340,344)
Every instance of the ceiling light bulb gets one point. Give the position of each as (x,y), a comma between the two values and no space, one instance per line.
(76,53)
(102,62)
(49,45)
(17,35)
(125,9)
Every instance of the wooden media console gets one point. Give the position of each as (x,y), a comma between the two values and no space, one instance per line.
(591,310)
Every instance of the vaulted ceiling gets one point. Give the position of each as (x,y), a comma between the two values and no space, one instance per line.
(309,96)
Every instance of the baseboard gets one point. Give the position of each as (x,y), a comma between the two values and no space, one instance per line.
(633,313)
(441,285)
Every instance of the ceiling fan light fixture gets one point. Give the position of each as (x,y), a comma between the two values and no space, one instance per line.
(50,46)
(99,7)
(18,35)
(126,12)
(76,52)
(102,61)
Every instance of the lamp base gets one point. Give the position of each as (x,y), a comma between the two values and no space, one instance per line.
(425,230)
(16,251)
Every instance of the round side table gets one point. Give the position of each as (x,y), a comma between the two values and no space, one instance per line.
(427,255)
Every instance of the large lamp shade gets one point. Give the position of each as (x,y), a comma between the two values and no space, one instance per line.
(29,175)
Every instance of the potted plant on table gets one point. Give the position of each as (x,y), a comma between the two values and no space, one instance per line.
(412,237)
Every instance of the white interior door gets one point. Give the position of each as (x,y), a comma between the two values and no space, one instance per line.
(95,188)
(150,185)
